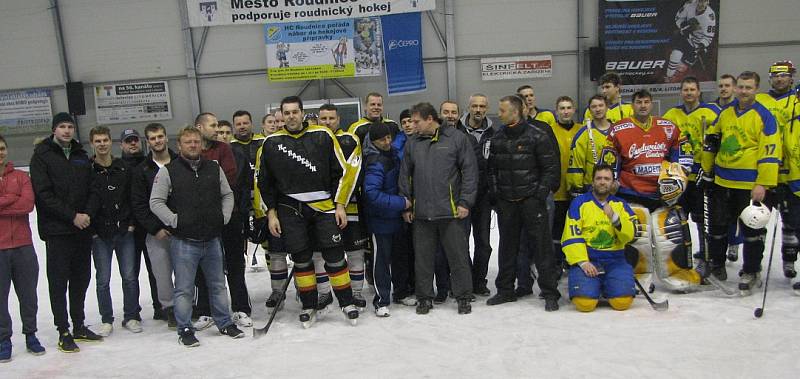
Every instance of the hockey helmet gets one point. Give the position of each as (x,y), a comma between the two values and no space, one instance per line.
(782,67)
(756,215)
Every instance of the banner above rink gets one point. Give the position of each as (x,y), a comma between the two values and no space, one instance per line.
(246,12)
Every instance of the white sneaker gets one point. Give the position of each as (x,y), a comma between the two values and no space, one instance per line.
(203,322)
(105,329)
(382,312)
(242,319)
(408,301)
(135,326)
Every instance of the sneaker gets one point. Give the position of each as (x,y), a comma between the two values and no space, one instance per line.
(382,311)
(788,270)
(501,298)
(242,319)
(5,350)
(186,338)
(481,290)
(66,343)
(409,301)
(325,299)
(203,323)
(464,307)
(232,331)
(550,305)
(733,253)
(274,298)
(105,330)
(84,334)
(440,298)
(33,345)
(424,306)
(522,292)
(134,325)
(359,301)
(172,323)
(748,281)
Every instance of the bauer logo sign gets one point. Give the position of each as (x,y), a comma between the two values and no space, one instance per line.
(517,67)
(245,12)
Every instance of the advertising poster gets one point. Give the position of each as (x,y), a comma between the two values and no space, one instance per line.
(402,42)
(518,67)
(25,112)
(343,48)
(246,12)
(132,102)
(655,44)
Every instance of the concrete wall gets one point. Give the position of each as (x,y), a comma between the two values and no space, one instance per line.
(111,41)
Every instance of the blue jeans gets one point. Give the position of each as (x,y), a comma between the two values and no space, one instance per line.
(102,252)
(186,256)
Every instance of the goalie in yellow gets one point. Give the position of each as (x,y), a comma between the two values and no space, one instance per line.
(599,226)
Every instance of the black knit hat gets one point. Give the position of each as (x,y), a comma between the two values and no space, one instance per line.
(62,117)
(405,114)
(378,130)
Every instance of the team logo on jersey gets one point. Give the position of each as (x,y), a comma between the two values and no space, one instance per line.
(647,169)
(668,130)
(649,150)
(302,160)
(336,238)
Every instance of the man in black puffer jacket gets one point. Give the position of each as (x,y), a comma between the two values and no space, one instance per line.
(523,170)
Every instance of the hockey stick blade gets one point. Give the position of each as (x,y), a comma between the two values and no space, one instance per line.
(721,286)
(658,306)
(260,332)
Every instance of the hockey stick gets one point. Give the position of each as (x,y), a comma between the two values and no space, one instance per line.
(260,332)
(658,306)
(760,311)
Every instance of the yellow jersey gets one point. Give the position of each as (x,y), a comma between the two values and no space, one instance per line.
(615,112)
(584,155)
(691,125)
(588,228)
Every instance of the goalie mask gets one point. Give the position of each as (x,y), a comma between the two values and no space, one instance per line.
(671,182)
(755,216)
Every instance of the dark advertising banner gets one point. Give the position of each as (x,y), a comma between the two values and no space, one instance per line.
(655,44)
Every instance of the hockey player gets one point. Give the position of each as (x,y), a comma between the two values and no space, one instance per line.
(785,107)
(586,147)
(742,150)
(354,236)
(564,130)
(533,112)
(725,86)
(373,103)
(652,159)
(306,184)
(598,227)
(789,194)
(692,118)
(697,26)
(610,88)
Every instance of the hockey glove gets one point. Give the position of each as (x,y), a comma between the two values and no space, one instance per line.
(257,232)
(704,179)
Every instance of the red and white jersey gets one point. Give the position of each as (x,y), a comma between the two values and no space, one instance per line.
(636,151)
(704,33)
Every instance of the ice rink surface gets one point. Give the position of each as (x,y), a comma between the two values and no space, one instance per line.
(702,335)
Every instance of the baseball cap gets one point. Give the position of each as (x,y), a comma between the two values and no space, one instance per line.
(127,133)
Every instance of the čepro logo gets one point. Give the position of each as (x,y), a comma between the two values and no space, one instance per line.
(401,43)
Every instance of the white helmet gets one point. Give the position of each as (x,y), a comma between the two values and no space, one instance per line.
(755,216)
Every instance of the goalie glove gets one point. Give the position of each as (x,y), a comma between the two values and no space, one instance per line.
(671,182)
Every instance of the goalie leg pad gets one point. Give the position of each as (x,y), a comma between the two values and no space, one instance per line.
(584,304)
(620,303)
(640,251)
(673,249)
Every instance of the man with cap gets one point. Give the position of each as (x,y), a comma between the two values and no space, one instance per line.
(133,155)
(61,173)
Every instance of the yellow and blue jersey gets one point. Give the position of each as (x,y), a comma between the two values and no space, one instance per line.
(615,112)
(790,170)
(546,116)
(589,230)
(584,155)
(564,138)
(691,124)
(750,148)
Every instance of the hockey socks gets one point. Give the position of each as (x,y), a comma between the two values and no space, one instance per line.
(355,263)
(278,270)
(323,281)
(340,281)
(306,282)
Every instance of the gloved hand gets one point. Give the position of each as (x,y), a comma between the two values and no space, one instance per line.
(704,179)
(257,232)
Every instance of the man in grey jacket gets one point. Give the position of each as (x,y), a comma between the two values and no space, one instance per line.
(439,175)
(191,196)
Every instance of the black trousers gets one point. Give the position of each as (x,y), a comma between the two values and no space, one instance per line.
(233,246)
(480,223)
(20,266)
(529,216)
(69,270)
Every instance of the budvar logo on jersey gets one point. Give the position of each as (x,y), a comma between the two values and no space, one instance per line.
(398,44)
(655,150)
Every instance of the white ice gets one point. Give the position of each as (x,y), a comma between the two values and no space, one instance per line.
(702,335)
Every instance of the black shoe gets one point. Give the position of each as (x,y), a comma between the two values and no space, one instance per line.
(424,306)
(719,271)
(186,338)
(464,307)
(232,331)
(440,298)
(84,334)
(67,344)
(160,314)
(522,292)
(172,323)
(481,290)
(550,305)
(501,298)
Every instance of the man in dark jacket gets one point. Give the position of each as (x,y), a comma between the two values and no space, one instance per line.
(192,197)
(60,174)
(440,175)
(157,237)
(113,225)
(523,171)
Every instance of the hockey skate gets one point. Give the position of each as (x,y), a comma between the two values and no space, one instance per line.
(733,253)
(796,288)
(308,317)
(351,312)
(323,304)
(788,270)
(359,301)
(274,299)
(748,281)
